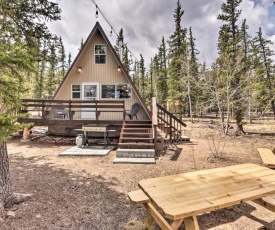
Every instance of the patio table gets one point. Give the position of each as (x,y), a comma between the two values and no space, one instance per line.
(182,197)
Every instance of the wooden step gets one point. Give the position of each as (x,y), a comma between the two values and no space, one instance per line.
(137,125)
(132,145)
(135,153)
(128,134)
(137,122)
(133,139)
(136,129)
(134,160)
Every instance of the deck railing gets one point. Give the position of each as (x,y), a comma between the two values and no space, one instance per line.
(69,107)
(154,119)
(169,124)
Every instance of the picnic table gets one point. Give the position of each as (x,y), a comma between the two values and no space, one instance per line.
(182,197)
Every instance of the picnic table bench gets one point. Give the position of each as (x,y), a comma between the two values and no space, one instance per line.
(268,157)
(182,197)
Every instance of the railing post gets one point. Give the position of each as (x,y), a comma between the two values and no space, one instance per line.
(154,120)
(70,110)
(96,110)
(43,109)
(124,110)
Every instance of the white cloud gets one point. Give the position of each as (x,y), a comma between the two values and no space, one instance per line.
(145,22)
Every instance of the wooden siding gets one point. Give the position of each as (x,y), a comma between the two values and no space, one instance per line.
(101,73)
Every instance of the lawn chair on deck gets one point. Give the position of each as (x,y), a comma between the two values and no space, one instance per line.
(134,111)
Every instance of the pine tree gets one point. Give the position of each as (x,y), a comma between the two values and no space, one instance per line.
(119,47)
(193,74)
(265,71)
(38,84)
(229,48)
(155,69)
(125,59)
(136,74)
(142,84)
(248,65)
(22,33)
(62,58)
(177,54)
(230,15)
(162,73)
(69,61)
(245,41)
(81,44)
(51,72)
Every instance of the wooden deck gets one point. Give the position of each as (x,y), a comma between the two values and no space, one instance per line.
(62,116)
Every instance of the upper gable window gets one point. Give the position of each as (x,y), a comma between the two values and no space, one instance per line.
(100,54)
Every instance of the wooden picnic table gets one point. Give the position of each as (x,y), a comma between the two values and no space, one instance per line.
(182,197)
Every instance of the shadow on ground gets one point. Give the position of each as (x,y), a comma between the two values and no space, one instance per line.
(65,201)
(229,215)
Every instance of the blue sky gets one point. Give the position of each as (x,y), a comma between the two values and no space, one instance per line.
(145,22)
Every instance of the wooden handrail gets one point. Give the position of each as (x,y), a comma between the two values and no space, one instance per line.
(154,111)
(154,120)
(167,120)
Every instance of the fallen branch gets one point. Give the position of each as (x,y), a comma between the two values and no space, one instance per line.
(17,198)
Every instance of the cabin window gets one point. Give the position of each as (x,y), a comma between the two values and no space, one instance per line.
(100,54)
(117,91)
(123,91)
(108,91)
(76,91)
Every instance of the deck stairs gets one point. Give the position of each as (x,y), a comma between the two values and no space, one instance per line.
(136,143)
(171,126)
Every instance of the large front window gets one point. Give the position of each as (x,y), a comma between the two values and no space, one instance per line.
(100,54)
(117,91)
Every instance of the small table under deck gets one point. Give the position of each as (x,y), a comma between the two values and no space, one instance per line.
(96,128)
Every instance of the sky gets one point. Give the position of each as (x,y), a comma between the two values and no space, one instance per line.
(144,23)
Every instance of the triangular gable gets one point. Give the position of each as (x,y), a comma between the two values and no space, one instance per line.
(98,28)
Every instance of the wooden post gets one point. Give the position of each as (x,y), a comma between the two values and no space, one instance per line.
(124,111)
(43,109)
(25,137)
(70,110)
(96,110)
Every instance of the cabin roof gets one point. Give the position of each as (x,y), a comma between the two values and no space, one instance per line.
(98,28)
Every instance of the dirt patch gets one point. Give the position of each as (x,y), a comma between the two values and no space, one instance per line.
(91,192)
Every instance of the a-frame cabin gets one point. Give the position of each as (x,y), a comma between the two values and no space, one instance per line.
(97,90)
(97,73)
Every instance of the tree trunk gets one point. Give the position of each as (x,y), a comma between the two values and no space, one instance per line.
(249,109)
(189,101)
(5,185)
(7,197)
(238,114)
(273,107)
